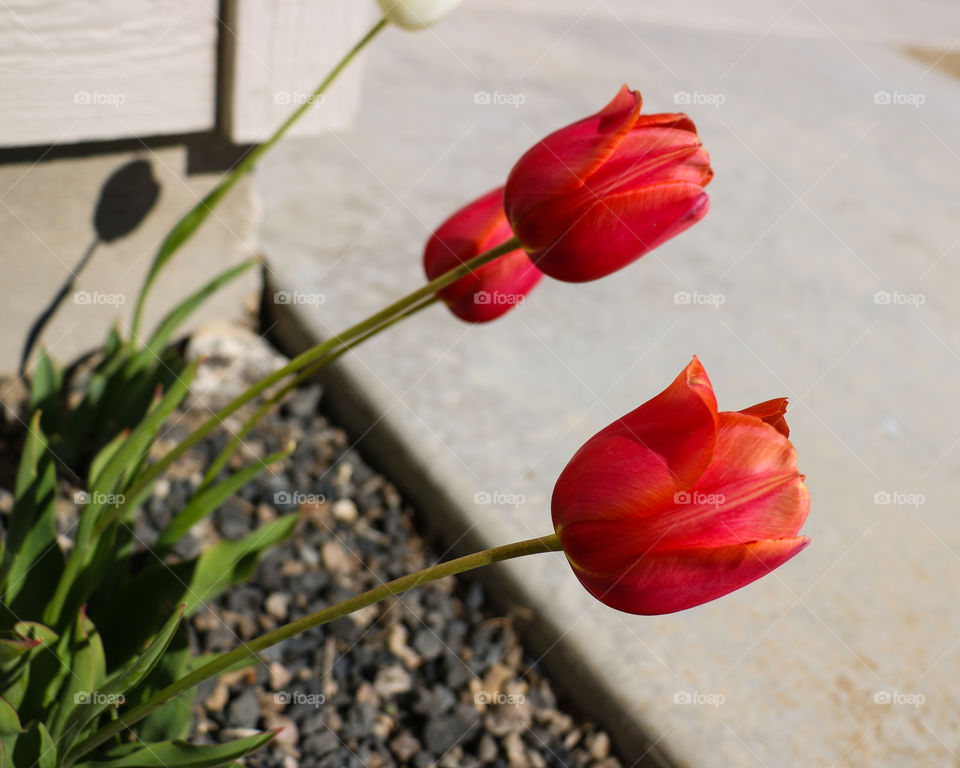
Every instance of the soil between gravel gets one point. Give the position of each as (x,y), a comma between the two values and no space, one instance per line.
(434,677)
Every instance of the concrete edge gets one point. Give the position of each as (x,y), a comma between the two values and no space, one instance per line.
(387,447)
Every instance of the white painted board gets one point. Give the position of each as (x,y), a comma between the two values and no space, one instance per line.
(113,69)
(277,51)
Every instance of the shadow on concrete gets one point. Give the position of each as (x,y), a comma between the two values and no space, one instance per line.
(125,200)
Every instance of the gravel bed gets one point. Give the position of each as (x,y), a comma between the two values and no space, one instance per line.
(435,677)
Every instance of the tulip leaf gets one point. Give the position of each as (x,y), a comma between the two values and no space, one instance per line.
(136,446)
(175,317)
(105,496)
(178,754)
(35,748)
(128,619)
(174,720)
(206,501)
(112,691)
(32,538)
(9,719)
(103,457)
(86,669)
(16,668)
(45,390)
(12,648)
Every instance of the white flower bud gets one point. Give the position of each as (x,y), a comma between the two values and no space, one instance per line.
(416,14)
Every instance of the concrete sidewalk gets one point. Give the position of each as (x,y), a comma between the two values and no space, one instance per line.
(827,270)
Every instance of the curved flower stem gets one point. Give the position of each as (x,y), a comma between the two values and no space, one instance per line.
(304,375)
(361,329)
(226,660)
(192,219)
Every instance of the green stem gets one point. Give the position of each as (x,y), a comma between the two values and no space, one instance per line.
(188,223)
(303,360)
(227,660)
(304,375)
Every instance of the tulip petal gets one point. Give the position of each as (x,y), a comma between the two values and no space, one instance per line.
(632,223)
(565,159)
(665,582)
(679,424)
(653,156)
(632,469)
(612,477)
(751,490)
(493,289)
(773,412)
(677,120)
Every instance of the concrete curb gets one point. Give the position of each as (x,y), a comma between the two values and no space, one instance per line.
(424,475)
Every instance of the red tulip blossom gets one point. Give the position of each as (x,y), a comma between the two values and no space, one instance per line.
(596,195)
(676,504)
(494,288)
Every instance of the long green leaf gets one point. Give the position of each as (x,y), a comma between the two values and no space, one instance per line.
(126,458)
(180,754)
(35,748)
(206,501)
(45,385)
(112,691)
(127,620)
(86,667)
(32,540)
(175,317)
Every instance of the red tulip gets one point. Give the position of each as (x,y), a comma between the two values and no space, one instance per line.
(490,290)
(676,504)
(598,194)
